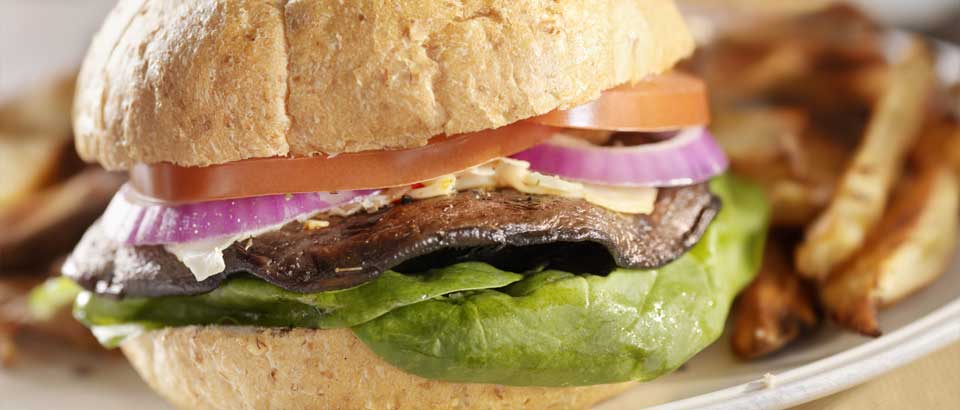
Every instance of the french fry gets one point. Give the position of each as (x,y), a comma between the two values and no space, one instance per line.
(756,136)
(843,32)
(868,81)
(12,314)
(815,113)
(941,143)
(796,166)
(27,164)
(835,92)
(736,73)
(17,321)
(789,60)
(8,350)
(952,97)
(48,224)
(817,56)
(774,310)
(794,203)
(44,110)
(911,248)
(861,196)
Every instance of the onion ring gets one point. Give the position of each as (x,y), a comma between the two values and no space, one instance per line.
(690,157)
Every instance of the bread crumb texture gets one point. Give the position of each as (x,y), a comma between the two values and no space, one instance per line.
(219,367)
(213,81)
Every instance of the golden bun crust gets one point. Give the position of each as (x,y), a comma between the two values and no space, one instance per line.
(214,81)
(220,367)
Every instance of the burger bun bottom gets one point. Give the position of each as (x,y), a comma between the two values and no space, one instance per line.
(225,367)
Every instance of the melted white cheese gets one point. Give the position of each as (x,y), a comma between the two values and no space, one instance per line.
(204,257)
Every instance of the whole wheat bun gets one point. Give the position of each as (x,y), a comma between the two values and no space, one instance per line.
(213,81)
(220,367)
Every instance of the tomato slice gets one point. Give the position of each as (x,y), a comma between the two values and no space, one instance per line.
(661,103)
(169,183)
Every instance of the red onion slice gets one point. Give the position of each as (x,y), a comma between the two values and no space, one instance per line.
(136,222)
(691,157)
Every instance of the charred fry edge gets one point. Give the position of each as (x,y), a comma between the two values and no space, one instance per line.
(907,252)
(863,191)
(776,309)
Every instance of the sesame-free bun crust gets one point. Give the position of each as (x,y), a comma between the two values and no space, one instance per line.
(219,367)
(214,81)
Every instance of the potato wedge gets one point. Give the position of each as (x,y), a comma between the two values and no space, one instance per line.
(868,81)
(834,94)
(13,312)
(8,350)
(17,323)
(842,31)
(953,96)
(44,110)
(862,194)
(27,164)
(757,136)
(797,167)
(795,204)
(774,310)
(911,248)
(786,61)
(821,60)
(48,224)
(940,143)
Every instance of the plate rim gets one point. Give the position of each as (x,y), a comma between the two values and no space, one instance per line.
(837,372)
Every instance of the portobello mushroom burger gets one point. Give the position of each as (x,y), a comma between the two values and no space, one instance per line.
(405,204)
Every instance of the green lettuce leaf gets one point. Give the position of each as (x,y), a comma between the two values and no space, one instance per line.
(474,323)
(560,329)
(247,301)
(54,295)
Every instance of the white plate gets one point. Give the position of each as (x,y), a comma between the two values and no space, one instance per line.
(831,361)
(50,377)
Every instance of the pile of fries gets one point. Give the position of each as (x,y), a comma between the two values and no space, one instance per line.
(47,200)
(856,144)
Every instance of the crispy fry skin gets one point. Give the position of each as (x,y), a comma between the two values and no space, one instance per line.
(29,164)
(13,312)
(953,97)
(35,231)
(774,310)
(16,319)
(44,110)
(940,143)
(814,112)
(797,167)
(35,146)
(862,193)
(911,248)
(8,350)
(778,60)
(49,223)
